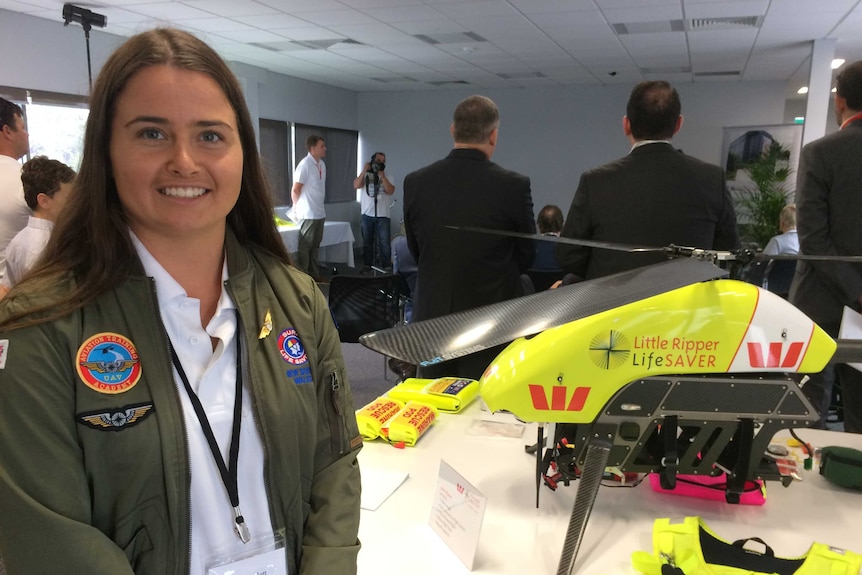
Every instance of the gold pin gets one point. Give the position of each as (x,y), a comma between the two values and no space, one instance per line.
(266,328)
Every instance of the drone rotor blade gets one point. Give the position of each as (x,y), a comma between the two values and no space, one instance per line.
(556,239)
(806,257)
(595,461)
(459,334)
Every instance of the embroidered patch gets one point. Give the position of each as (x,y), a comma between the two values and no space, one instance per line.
(4,350)
(291,348)
(117,419)
(108,363)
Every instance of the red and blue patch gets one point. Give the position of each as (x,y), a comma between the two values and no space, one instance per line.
(291,348)
(108,363)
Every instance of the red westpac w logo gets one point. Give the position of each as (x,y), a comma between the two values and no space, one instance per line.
(558,398)
(773,357)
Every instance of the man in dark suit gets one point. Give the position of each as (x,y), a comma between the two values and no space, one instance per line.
(655,196)
(462,270)
(829,222)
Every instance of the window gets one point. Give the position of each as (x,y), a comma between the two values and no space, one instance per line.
(341,149)
(57,132)
(56,123)
(279,158)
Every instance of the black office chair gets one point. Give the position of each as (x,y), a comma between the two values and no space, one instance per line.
(779,276)
(360,304)
(755,273)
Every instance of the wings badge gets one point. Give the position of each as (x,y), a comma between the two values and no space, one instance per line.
(117,419)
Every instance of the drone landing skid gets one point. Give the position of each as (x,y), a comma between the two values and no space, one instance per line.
(674,425)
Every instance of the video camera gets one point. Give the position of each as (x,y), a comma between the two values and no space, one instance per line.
(376,166)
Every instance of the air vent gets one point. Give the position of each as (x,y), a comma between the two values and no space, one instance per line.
(730,23)
(396,79)
(293,45)
(521,75)
(666,70)
(726,74)
(449,83)
(450,38)
(625,28)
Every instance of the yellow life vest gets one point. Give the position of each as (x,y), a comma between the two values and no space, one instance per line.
(694,549)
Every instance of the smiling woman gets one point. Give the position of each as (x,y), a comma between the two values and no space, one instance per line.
(188,380)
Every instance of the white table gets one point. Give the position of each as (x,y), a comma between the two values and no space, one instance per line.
(336,245)
(517,538)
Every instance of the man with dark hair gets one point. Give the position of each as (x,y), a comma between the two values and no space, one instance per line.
(549,223)
(47,185)
(308,194)
(375,187)
(14,144)
(461,270)
(829,220)
(655,196)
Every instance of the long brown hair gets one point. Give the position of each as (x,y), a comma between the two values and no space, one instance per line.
(91,244)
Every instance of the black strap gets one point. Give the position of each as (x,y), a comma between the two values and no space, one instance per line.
(744,438)
(670,460)
(228,472)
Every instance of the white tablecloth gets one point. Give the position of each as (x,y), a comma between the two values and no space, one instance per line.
(517,538)
(336,246)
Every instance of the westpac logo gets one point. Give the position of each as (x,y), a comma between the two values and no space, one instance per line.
(774,352)
(559,400)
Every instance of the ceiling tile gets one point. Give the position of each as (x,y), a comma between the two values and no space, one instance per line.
(171,11)
(231,8)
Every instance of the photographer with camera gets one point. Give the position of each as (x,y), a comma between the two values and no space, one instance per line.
(374,205)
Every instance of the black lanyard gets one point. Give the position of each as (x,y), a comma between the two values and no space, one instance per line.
(228,474)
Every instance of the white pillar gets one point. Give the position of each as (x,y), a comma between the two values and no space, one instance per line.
(819,89)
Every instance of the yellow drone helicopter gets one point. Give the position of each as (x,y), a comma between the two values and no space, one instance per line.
(668,368)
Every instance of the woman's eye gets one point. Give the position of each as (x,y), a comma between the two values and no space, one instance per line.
(151,134)
(211,137)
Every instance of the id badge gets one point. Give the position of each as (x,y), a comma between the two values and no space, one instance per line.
(266,558)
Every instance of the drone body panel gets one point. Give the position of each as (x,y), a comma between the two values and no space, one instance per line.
(569,373)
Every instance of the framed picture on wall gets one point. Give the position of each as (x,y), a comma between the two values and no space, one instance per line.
(760,164)
(743,144)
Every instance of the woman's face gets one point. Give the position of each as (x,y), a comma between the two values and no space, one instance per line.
(175,154)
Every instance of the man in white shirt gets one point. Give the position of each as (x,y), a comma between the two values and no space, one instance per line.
(374,186)
(308,194)
(14,144)
(47,185)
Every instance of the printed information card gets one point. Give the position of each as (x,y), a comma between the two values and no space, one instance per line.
(457,512)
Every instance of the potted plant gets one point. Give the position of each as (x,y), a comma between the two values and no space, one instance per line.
(759,203)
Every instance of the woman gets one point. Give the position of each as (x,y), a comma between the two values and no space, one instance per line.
(165,305)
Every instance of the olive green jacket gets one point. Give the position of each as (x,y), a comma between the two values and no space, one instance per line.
(97,482)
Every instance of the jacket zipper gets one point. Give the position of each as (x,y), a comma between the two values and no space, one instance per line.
(179,403)
(338,426)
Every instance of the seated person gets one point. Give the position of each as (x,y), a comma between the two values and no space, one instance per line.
(545,272)
(787,242)
(778,275)
(404,264)
(549,222)
(47,184)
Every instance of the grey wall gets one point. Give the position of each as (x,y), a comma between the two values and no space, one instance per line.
(39,54)
(550,134)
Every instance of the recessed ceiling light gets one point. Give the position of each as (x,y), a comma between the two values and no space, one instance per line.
(802,90)
(837,63)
